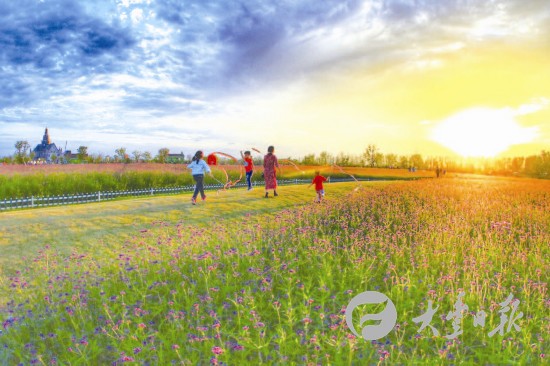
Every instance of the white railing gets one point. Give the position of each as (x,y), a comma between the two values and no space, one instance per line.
(45,201)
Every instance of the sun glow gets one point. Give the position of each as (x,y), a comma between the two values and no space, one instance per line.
(482,132)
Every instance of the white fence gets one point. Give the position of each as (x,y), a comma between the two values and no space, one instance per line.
(32,202)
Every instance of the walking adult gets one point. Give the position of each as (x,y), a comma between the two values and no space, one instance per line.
(270,174)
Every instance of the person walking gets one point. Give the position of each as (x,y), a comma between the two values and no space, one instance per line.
(318,181)
(248,167)
(198,167)
(270,174)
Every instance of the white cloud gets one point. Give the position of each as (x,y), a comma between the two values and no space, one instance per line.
(532,107)
(136,15)
(128,3)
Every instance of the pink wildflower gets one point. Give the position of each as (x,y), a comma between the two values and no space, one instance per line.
(217,350)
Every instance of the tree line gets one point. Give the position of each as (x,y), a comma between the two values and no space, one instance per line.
(24,155)
(537,165)
(534,165)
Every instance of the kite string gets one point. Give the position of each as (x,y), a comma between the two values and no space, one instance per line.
(229,183)
(291,163)
(351,175)
(343,171)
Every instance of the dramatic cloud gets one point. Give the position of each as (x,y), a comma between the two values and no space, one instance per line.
(131,66)
(49,44)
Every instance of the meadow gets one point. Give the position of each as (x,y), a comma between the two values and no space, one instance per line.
(245,280)
(19,181)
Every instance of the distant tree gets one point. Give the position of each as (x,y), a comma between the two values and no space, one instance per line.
(542,165)
(417,161)
(518,164)
(404,162)
(432,163)
(54,158)
(137,155)
(343,159)
(147,157)
(162,155)
(325,158)
(379,159)
(530,164)
(82,152)
(391,160)
(6,160)
(370,155)
(96,158)
(120,152)
(21,148)
(355,160)
(309,159)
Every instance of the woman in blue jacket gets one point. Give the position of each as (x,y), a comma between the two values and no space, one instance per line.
(198,168)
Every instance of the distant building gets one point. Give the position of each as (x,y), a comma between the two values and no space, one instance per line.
(47,150)
(175,158)
(70,156)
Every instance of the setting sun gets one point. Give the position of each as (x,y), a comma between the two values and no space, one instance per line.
(482,132)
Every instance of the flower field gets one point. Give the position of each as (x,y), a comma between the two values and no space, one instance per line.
(273,288)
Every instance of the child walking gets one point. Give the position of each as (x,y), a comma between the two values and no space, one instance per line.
(248,167)
(318,181)
(198,167)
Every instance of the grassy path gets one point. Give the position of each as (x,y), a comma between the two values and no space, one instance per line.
(90,227)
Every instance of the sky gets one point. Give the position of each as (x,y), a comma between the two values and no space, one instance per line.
(439,78)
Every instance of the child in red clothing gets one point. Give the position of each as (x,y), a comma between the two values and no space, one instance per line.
(318,181)
(248,167)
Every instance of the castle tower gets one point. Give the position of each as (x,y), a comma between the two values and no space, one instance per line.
(46,138)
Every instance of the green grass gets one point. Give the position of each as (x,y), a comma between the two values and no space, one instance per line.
(245,280)
(93,226)
(54,183)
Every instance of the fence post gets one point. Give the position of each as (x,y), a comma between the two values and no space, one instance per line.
(99,196)
(151,191)
(32,201)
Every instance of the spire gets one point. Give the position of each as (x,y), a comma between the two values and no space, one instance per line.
(46,138)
